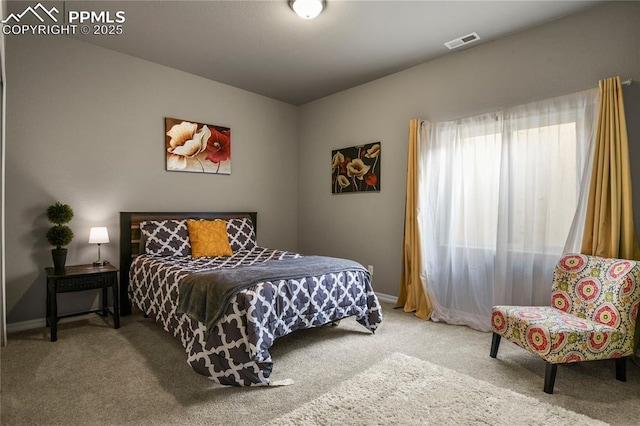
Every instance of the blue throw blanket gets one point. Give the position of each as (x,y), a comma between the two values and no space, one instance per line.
(204,296)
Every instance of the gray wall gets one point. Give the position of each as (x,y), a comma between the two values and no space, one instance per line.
(564,56)
(632,113)
(85,127)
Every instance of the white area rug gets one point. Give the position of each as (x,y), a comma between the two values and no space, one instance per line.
(407,391)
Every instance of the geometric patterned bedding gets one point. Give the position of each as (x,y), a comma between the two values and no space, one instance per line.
(236,350)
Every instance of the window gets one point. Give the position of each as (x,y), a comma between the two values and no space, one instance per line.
(498,195)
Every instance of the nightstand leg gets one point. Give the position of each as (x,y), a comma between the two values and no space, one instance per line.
(48,316)
(53,316)
(116,305)
(104,302)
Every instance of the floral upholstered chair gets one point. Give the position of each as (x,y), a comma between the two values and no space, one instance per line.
(593,315)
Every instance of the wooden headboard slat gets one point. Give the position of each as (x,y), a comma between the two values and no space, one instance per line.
(130,240)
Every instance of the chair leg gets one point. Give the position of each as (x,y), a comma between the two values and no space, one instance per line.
(495,343)
(621,369)
(550,377)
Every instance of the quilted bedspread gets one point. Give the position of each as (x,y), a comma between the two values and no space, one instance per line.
(236,350)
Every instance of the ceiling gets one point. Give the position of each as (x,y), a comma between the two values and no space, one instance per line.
(265,48)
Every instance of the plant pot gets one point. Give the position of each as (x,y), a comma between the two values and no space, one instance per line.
(59,256)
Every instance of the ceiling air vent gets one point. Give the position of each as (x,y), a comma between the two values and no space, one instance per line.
(469,38)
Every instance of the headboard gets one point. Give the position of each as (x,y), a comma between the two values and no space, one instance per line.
(130,239)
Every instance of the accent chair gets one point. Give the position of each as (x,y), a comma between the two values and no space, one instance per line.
(593,312)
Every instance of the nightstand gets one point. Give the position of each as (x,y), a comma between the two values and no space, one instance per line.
(80,278)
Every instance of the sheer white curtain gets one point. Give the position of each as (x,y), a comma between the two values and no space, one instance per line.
(498,194)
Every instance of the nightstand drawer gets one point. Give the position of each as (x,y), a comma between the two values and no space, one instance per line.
(85,283)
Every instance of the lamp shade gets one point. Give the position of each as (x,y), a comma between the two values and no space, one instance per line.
(98,235)
(307,9)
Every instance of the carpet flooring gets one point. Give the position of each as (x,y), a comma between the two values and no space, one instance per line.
(137,375)
(401,389)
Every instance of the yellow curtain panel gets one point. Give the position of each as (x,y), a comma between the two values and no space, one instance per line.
(412,296)
(609,230)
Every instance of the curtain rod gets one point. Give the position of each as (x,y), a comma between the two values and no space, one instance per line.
(627,82)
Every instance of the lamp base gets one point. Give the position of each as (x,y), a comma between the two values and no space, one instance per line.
(100,263)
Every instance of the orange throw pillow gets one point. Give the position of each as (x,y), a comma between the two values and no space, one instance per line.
(209,238)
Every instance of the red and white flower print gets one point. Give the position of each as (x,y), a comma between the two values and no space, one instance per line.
(538,339)
(634,312)
(607,314)
(628,286)
(576,323)
(588,289)
(561,301)
(598,341)
(620,268)
(498,321)
(558,342)
(573,357)
(572,263)
(528,314)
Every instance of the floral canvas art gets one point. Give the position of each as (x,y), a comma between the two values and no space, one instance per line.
(356,169)
(197,147)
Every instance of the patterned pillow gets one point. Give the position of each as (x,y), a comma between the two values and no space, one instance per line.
(208,238)
(166,237)
(242,236)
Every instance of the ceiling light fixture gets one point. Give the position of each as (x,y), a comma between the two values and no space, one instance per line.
(307,9)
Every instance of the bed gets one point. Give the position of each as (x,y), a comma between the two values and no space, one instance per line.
(261,294)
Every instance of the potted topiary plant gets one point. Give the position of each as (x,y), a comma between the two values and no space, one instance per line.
(59,235)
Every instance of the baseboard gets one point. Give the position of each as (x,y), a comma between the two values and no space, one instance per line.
(25,325)
(387,298)
(41,322)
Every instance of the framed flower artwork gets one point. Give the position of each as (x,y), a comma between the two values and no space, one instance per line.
(197,147)
(356,169)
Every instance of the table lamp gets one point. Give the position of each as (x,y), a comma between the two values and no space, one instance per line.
(99,235)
